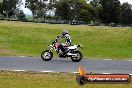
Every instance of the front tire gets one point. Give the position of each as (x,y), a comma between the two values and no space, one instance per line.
(78,57)
(46,55)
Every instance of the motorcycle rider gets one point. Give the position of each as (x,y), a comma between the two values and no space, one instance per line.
(67,37)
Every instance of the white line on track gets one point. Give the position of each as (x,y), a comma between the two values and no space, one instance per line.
(102,59)
(74,72)
(48,71)
(57,72)
(106,73)
(107,59)
(19,70)
(22,56)
(129,60)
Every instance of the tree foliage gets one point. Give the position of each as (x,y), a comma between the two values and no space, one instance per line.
(111,10)
(8,7)
(126,13)
(105,11)
(38,8)
(74,10)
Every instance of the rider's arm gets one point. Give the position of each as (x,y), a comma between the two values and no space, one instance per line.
(61,36)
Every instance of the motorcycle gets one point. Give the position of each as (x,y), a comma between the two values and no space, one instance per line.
(63,51)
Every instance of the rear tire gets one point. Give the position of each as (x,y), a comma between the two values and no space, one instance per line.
(78,58)
(46,55)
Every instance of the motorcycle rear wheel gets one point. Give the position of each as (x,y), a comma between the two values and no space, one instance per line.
(46,55)
(78,57)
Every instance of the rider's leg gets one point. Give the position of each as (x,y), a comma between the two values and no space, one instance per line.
(61,48)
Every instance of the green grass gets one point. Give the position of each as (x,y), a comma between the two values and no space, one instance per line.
(30,39)
(47,80)
(29,18)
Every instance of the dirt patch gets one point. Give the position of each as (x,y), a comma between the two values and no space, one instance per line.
(6,52)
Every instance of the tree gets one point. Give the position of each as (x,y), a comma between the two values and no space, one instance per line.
(111,11)
(41,10)
(97,7)
(1,15)
(126,14)
(87,13)
(76,7)
(0,9)
(31,4)
(21,16)
(9,6)
(38,8)
(95,3)
(70,9)
(62,9)
(0,6)
(52,1)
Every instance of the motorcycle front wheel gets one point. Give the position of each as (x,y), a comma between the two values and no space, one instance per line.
(46,55)
(78,56)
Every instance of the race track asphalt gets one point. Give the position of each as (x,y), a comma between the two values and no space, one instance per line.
(64,65)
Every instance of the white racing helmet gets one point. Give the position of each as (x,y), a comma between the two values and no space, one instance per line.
(64,32)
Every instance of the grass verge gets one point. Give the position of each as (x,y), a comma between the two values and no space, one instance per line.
(47,80)
(30,39)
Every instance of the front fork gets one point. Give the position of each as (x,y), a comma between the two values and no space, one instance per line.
(50,50)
